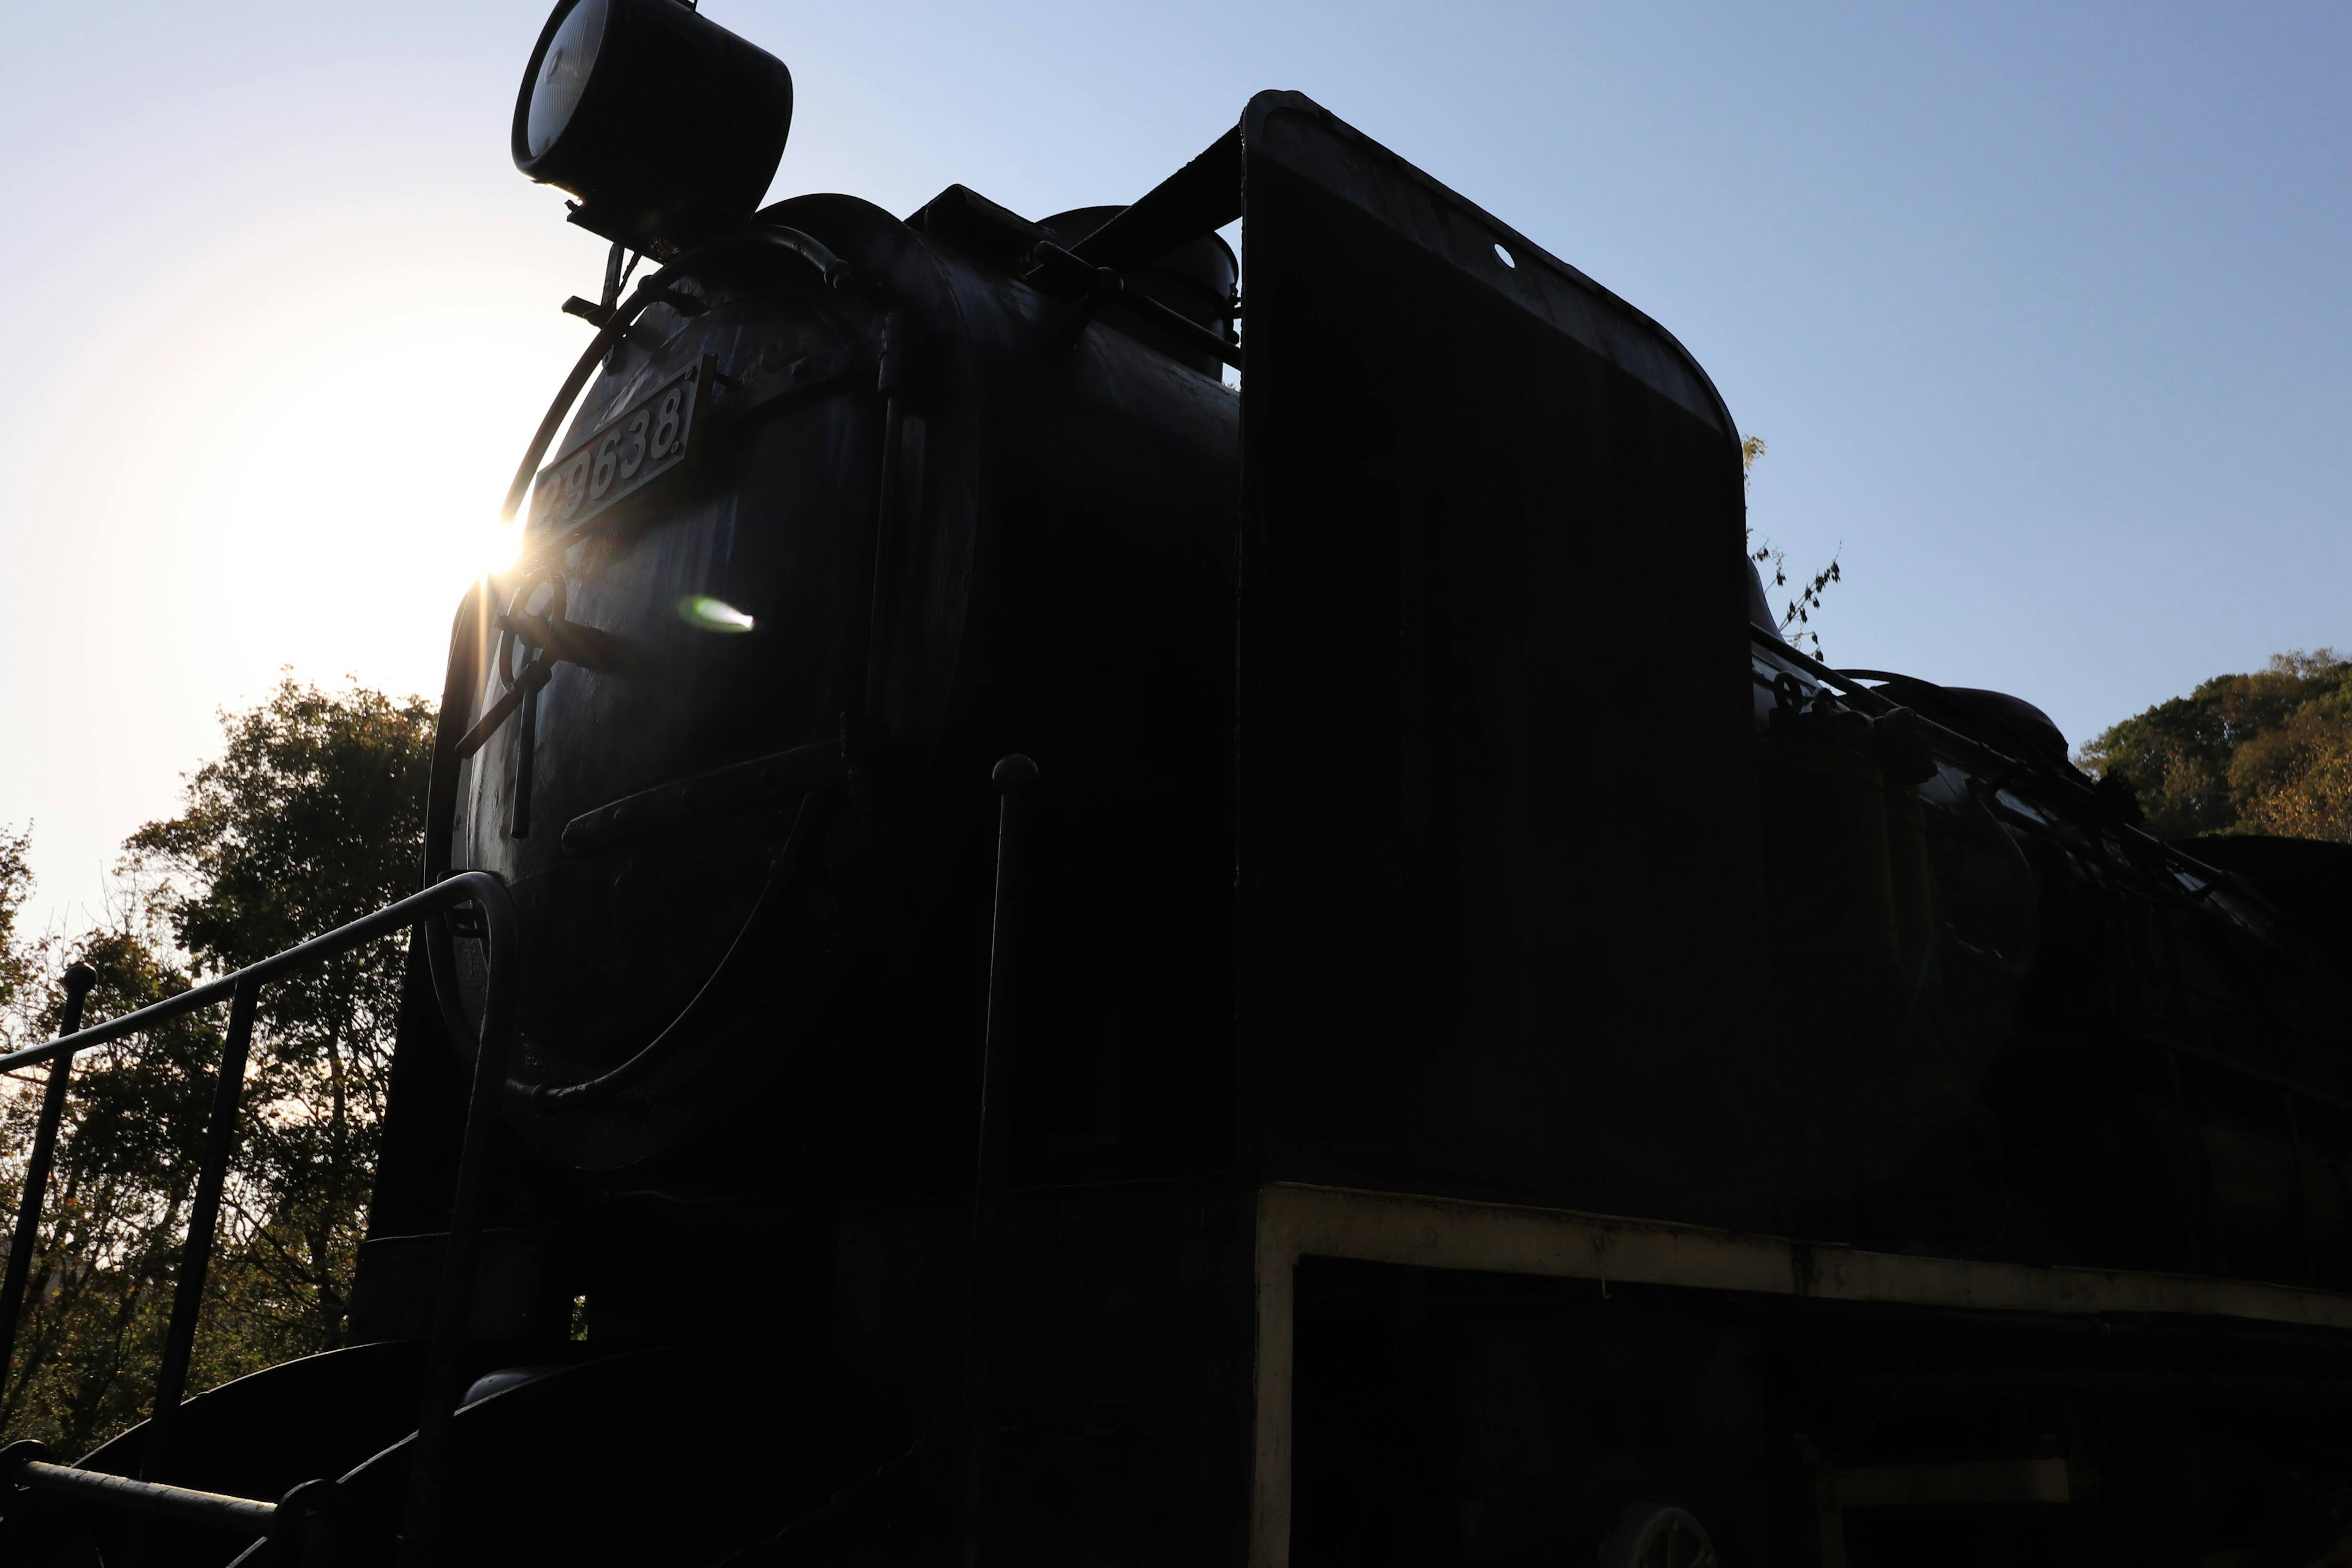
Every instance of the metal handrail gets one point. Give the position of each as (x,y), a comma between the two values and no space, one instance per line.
(460,888)
(29,1464)
(444,1380)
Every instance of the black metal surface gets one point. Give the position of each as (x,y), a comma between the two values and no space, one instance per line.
(1202,198)
(446,1376)
(617,1487)
(1067,274)
(653,291)
(892,550)
(259,1437)
(1526,906)
(25,1239)
(651,1055)
(770,781)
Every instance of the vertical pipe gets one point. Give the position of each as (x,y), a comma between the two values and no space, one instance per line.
(885,561)
(444,1361)
(203,1217)
(526,746)
(1013,776)
(897,490)
(612,294)
(2302,1191)
(2191,1196)
(79,980)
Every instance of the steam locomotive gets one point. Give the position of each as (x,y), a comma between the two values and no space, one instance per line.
(1146,943)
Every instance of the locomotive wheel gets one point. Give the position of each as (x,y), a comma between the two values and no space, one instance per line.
(1657,1535)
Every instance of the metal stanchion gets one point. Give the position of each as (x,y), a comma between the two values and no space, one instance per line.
(1014,777)
(79,980)
(204,1219)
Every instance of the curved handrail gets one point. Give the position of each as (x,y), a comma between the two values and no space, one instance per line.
(482,887)
(654,290)
(649,1056)
(445,1367)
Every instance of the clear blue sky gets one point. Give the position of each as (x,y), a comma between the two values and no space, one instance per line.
(2045,309)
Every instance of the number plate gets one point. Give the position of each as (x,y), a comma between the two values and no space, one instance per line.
(623,455)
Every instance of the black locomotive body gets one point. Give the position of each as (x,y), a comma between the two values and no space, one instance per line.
(1470,1050)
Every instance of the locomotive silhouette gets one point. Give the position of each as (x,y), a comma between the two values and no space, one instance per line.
(1094,902)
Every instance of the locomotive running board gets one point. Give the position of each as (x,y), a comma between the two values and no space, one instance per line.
(1298,1222)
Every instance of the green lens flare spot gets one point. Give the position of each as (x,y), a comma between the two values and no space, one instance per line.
(706,614)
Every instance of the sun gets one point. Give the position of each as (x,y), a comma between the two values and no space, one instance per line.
(350,494)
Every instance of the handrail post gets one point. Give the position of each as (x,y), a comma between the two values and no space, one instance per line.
(1013,776)
(203,1217)
(80,978)
(444,1360)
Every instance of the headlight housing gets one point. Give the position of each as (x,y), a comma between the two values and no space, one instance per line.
(665,125)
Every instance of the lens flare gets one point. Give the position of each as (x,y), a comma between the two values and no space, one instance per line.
(704,612)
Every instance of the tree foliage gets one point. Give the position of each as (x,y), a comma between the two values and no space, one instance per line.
(2266,752)
(309,818)
(1796,619)
(16,887)
(117,1204)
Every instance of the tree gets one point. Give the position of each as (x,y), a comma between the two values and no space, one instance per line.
(312,817)
(309,818)
(16,966)
(2269,751)
(116,1210)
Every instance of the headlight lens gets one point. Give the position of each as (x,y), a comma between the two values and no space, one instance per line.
(563,75)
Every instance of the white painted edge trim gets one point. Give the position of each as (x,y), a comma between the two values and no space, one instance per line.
(1296,1222)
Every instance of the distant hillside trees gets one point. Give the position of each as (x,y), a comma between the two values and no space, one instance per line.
(2267,753)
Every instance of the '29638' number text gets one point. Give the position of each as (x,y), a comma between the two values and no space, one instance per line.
(627,452)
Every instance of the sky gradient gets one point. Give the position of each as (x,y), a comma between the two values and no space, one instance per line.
(2043,309)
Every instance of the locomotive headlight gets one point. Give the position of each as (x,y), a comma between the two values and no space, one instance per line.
(667,126)
(552,95)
